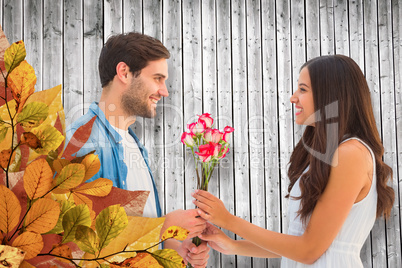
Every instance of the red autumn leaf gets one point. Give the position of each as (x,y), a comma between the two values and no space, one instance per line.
(79,138)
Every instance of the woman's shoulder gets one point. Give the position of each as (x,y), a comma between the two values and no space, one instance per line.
(354,152)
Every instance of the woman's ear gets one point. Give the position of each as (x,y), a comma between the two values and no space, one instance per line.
(122,71)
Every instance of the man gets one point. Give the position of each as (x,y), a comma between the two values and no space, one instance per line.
(133,70)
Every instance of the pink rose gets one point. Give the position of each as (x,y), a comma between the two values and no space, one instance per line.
(207,119)
(188,139)
(228,130)
(196,128)
(208,151)
(213,135)
(223,152)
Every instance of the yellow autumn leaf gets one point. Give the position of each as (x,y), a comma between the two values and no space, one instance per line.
(82,199)
(140,233)
(52,98)
(59,164)
(169,258)
(22,82)
(78,215)
(10,210)
(142,259)
(65,206)
(86,239)
(38,179)
(98,187)
(70,176)
(43,216)
(30,242)
(50,138)
(62,250)
(175,232)
(11,256)
(92,166)
(14,55)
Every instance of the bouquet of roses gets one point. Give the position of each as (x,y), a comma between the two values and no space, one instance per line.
(208,145)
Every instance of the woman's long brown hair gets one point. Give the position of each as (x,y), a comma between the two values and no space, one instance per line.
(342,109)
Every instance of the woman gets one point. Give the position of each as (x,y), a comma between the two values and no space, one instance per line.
(338,181)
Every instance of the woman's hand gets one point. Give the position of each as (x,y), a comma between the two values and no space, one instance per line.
(211,208)
(217,239)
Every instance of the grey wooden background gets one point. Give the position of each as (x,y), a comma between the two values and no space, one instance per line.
(239,61)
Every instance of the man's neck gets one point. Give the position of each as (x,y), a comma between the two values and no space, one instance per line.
(110,105)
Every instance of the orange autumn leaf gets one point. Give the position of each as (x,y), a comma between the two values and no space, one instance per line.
(92,165)
(31,243)
(142,259)
(43,216)
(82,199)
(62,250)
(22,82)
(5,158)
(98,187)
(38,179)
(31,140)
(175,232)
(10,210)
(59,164)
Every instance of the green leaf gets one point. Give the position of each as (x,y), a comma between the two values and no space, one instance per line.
(168,258)
(14,55)
(50,138)
(33,113)
(110,223)
(74,217)
(3,132)
(65,206)
(86,239)
(70,176)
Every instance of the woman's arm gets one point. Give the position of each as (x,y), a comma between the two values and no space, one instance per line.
(349,179)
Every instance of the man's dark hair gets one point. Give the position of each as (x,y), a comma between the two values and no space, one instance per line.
(134,49)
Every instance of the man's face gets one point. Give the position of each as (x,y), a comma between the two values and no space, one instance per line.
(144,92)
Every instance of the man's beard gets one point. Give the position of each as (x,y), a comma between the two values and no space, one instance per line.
(134,101)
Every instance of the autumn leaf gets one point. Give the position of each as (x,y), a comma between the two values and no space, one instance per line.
(43,216)
(175,232)
(65,206)
(14,55)
(78,215)
(11,256)
(110,223)
(3,132)
(10,210)
(142,259)
(50,138)
(92,165)
(168,258)
(59,164)
(30,242)
(22,82)
(5,158)
(32,115)
(31,140)
(70,176)
(5,93)
(98,187)
(62,250)
(38,179)
(79,138)
(86,239)
(82,199)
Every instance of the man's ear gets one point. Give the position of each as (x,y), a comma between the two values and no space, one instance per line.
(122,71)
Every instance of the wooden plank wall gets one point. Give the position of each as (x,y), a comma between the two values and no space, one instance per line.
(239,61)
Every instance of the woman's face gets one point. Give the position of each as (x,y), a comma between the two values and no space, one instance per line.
(303,100)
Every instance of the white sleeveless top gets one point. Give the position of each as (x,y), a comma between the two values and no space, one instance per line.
(344,251)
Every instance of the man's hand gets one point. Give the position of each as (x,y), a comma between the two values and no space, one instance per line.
(197,256)
(187,219)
